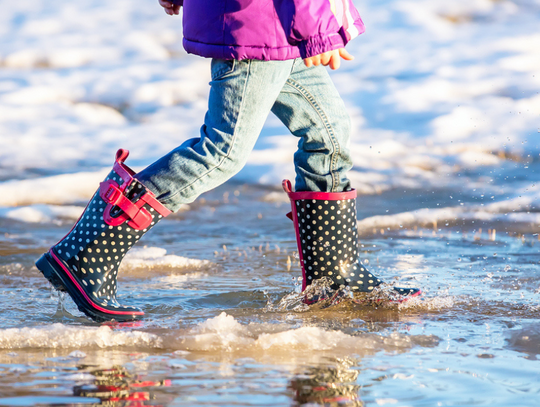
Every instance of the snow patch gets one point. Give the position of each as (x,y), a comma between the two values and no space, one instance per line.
(514,210)
(224,332)
(42,213)
(58,189)
(157,257)
(63,336)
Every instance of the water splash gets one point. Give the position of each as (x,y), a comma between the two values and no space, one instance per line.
(320,295)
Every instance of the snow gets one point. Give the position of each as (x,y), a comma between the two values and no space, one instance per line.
(436,90)
(65,188)
(63,336)
(42,213)
(516,210)
(152,257)
(222,332)
(225,333)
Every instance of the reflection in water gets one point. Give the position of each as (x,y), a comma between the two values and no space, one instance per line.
(117,387)
(525,340)
(328,386)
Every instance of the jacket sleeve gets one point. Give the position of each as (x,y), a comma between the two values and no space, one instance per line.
(317,26)
(177,2)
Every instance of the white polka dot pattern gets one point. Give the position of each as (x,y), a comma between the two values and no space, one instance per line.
(329,243)
(93,250)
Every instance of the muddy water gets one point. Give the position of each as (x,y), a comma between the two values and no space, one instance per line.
(229,328)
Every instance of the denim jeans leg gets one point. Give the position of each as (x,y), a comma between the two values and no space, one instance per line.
(312,109)
(242,94)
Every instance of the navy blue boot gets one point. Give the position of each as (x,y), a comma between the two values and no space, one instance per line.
(85,262)
(327,238)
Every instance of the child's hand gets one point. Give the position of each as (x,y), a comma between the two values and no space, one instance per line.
(329,58)
(169,8)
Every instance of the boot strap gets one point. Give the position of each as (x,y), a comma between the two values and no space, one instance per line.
(139,218)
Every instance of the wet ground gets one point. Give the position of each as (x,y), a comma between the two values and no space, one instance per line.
(232,330)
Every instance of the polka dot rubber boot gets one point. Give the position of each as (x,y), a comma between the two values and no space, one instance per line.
(85,262)
(327,238)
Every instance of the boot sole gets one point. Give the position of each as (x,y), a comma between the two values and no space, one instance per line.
(58,277)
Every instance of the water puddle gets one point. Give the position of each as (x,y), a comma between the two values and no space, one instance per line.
(227,324)
(444,101)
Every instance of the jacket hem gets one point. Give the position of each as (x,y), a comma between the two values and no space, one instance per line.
(240,52)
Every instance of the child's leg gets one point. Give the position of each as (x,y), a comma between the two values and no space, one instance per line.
(324,211)
(310,106)
(85,263)
(241,96)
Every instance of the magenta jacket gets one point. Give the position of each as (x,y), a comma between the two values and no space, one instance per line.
(267,29)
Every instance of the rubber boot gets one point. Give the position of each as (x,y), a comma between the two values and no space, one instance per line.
(327,238)
(85,262)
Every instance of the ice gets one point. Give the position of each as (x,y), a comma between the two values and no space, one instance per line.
(59,189)
(152,257)
(313,338)
(221,332)
(514,210)
(64,336)
(224,332)
(42,213)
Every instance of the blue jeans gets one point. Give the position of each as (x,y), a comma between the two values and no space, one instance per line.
(242,94)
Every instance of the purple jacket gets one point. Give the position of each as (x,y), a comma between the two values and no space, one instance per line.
(267,29)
